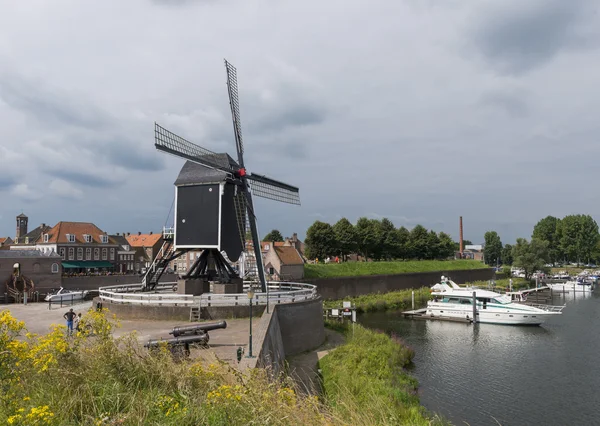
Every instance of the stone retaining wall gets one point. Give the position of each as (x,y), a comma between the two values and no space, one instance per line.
(340,287)
(287,330)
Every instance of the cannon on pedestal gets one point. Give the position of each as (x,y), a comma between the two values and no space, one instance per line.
(197,329)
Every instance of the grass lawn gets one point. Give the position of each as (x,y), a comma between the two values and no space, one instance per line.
(350,269)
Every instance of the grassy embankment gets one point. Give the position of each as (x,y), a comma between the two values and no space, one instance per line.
(367,375)
(95,379)
(352,269)
(394,300)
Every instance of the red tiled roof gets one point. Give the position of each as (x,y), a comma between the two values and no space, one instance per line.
(143,240)
(2,239)
(288,255)
(58,234)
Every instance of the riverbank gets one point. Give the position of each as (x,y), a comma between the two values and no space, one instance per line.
(394,300)
(353,269)
(366,379)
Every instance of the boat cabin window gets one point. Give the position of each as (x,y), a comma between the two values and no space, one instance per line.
(465,301)
(452,300)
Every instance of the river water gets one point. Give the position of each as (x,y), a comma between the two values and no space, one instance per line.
(487,374)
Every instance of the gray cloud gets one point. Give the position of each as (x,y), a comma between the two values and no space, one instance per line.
(83,178)
(38,101)
(514,103)
(294,115)
(6,182)
(519,36)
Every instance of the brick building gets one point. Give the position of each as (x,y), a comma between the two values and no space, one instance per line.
(44,269)
(284,263)
(146,247)
(82,246)
(125,255)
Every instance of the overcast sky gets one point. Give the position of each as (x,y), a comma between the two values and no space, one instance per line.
(415,110)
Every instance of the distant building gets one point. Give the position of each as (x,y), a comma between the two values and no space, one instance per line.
(284,263)
(474,252)
(125,255)
(82,246)
(146,247)
(183,263)
(24,237)
(5,241)
(44,269)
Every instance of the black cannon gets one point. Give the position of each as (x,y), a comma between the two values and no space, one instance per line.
(178,341)
(198,329)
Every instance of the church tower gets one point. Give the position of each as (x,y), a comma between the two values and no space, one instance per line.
(21,226)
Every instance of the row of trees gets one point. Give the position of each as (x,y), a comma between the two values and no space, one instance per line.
(376,239)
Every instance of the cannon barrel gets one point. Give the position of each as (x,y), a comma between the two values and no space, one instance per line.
(201,338)
(198,328)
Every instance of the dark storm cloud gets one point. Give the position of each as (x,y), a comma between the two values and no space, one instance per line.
(83,178)
(524,35)
(513,103)
(36,100)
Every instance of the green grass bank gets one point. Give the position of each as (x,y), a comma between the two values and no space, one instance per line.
(352,269)
(366,379)
(394,300)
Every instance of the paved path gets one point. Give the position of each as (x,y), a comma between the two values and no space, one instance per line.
(223,342)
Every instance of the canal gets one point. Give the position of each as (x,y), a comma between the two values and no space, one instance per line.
(487,374)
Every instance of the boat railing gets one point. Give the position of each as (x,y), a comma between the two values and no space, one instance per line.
(547,308)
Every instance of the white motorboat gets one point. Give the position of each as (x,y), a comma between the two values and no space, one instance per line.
(584,286)
(452,301)
(62,294)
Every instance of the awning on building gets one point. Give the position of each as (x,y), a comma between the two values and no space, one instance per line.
(88,264)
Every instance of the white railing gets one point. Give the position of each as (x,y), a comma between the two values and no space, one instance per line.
(279,292)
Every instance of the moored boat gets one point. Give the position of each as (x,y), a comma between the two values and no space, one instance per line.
(452,301)
(62,294)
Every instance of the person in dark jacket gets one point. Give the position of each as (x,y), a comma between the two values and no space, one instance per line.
(70,316)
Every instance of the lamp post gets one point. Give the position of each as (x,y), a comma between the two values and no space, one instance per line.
(250,297)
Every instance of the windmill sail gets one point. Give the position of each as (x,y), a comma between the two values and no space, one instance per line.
(171,143)
(265,187)
(234,103)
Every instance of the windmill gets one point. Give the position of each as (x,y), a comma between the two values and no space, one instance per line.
(213,203)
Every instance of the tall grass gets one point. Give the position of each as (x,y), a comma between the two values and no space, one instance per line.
(365,379)
(394,300)
(92,378)
(351,269)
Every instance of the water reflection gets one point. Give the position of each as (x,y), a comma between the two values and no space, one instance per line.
(515,375)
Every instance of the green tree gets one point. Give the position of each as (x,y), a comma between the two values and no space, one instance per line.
(547,229)
(506,255)
(367,236)
(418,241)
(446,246)
(530,256)
(320,241)
(492,248)
(433,245)
(274,235)
(402,243)
(578,237)
(388,239)
(345,235)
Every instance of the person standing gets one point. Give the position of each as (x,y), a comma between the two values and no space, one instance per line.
(76,321)
(70,316)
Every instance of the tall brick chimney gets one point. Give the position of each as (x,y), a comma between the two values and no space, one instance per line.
(460,241)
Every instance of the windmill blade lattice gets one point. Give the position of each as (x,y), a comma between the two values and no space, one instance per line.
(234,103)
(167,141)
(241,214)
(265,187)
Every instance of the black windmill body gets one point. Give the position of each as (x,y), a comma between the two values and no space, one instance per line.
(214,202)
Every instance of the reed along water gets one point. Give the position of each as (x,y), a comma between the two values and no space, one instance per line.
(487,374)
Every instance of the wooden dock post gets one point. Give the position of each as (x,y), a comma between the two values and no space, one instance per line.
(413,300)
(474,308)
